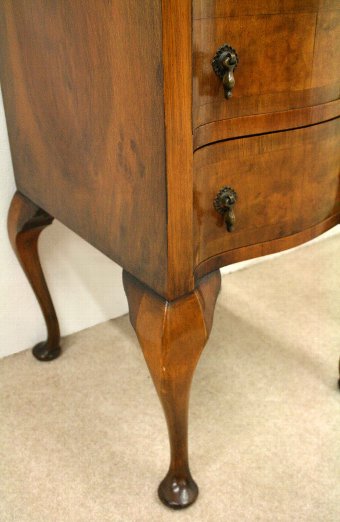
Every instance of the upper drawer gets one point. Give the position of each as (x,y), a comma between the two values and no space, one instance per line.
(289,56)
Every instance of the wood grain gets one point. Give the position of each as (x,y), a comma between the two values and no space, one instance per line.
(327,45)
(264,123)
(221,8)
(288,60)
(119,128)
(286,182)
(83,91)
(177,57)
(265,248)
(26,221)
(172,336)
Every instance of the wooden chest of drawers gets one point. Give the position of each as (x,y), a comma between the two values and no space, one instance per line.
(176,136)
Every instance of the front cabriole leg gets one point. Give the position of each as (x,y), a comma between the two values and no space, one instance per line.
(25,223)
(172,336)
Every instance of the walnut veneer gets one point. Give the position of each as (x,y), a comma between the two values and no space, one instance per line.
(119,127)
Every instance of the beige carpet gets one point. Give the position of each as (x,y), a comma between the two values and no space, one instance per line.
(83,438)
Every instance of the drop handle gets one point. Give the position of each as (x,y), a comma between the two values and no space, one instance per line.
(224,63)
(224,204)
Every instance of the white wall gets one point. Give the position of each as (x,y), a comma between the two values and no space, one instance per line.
(85,285)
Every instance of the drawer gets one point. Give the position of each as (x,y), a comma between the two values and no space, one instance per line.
(289,56)
(285,182)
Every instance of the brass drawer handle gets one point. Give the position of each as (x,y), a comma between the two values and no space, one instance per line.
(224,63)
(224,204)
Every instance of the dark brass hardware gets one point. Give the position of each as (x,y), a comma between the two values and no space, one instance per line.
(224,63)
(224,204)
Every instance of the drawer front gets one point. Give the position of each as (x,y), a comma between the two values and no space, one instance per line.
(285,182)
(289,56)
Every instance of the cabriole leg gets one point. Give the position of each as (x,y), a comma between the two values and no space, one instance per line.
(172,336)
(25,223)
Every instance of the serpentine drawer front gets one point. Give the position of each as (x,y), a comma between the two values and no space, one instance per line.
(285,182)
(286,53)
(176,136)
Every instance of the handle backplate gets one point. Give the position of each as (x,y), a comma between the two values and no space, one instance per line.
(224,204)
(224,63)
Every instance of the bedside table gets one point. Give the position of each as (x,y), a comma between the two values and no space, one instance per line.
(176,137)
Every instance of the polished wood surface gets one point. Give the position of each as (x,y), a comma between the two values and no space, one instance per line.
(177,59)
(265,123)
(264,249)
(172,336)
(26,221)
(83,93)
(286,182)
(220,8)
(119,128)
(284,50)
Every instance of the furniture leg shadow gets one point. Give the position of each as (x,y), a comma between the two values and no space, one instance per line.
(172,336)
(25,223)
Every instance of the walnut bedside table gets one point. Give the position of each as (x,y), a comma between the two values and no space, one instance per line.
(176,136)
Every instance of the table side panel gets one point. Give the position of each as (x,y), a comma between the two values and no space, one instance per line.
(83,90)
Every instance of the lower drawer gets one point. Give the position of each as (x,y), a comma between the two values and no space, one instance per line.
(285,182)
